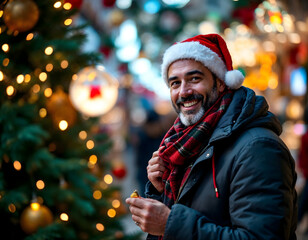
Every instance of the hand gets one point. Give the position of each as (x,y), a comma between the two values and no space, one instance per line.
(155,170)
(150,215)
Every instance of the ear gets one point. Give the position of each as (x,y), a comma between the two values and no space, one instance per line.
(220,85)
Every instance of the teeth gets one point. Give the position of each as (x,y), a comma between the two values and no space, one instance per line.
(189,104)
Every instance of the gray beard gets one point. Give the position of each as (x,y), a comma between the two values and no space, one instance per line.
(190,118)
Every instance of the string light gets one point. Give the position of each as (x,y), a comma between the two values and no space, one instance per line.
(93,159)
(64,64)
(10,90)
(97,194)
(1,13)
(49,67)
(116,203)
(40,184)
(63,125)
(35,206)
(67,6)
(108,179)
(5,47)
(100,227)
(5,62)
(17,165)
(111,213)
(27,78)
(12,208)
(48,50)
(29,36)
(48,92)
(57,4)
(90,144)
(36,88)
(43,76)
(43,112)
(64,217)
(83,135)
(1,76)
(68,22)
(20,79)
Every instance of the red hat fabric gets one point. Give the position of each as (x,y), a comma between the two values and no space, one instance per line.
(212,51)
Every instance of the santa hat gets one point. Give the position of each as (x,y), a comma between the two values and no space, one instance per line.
(211,50)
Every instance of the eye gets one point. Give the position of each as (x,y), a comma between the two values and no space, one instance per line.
(174,84)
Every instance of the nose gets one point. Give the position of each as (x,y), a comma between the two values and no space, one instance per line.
(185,90)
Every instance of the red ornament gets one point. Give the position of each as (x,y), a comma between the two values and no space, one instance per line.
(106,51)
(108,3)
(95,91)
(119,172)
(75,3)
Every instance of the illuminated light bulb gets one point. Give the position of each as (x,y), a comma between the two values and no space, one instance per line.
(90,144)
(57,4)
(27,78)
(40,184)
(5,47)
(36,88)
(35,206)
(17,165)
(116,203)
(43,112)
(5,62)
(83,135)
(64,217)
(1,13)
(48,50)
(63,125)
(67,6)
(20,78)
(10,90)
(100,227)
(48,92)
(49,67)
(64,64)
(111,213)
(29,36)
(1,76)
(43,76)
(108,179)
(68,22)
(97,194)
(12,208)
(93,159)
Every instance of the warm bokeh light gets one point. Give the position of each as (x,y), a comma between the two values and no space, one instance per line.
(36,88)
(63,125)
(48,50)
(111,213)
(90,144)
(20,78)
(57,4)
(97,194)
(93,159)
(27,78)
(64,217)
(68,22)
(48,92)
(10,90)
(40,184)
(43,112)
(49,67)
(83,135)
(116,203)
(43,76)
(35,206)
(64,64)
(108,179)
(29,36)
(5,62)
(1,76)
(17,165)
(100,227)
(5,47)
(12,208)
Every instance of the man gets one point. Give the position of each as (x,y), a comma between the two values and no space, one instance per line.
(221,171)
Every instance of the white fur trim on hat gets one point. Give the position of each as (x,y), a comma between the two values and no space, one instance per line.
(210,59)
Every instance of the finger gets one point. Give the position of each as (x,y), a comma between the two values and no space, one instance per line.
(155,160)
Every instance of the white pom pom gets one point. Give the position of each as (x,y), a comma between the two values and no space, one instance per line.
(234,79)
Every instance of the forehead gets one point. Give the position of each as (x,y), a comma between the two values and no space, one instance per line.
(186,65)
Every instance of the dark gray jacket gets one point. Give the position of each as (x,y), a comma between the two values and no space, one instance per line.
(255,177)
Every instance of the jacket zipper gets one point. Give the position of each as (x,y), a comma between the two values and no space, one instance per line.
(181,188)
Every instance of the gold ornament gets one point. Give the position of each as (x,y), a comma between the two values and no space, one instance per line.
(20,15)
(135,194)
(35,216)
(60,108)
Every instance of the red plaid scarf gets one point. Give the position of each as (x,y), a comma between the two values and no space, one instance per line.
(183,144)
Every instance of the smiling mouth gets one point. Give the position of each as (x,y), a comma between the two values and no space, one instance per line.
(189,104)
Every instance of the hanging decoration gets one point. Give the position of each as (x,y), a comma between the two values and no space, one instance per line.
(35,216)
(119,169)
(60,108)
(20,15)
(271,16)
(93,91)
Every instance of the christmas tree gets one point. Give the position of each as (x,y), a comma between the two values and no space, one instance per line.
(52,180)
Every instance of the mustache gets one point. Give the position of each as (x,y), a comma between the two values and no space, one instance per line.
(189,98)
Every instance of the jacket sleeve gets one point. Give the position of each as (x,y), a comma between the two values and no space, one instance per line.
(151,192)
(261,201)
